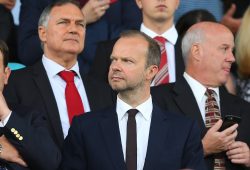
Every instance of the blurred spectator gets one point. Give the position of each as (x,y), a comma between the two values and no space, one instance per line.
(223,10)
(191,18)
(7,27)
(105,21)
(243,57)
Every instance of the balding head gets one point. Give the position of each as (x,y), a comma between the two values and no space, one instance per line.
(207,50)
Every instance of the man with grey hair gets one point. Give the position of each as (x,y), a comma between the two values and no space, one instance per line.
(134,134)
(56,85)
(207,49)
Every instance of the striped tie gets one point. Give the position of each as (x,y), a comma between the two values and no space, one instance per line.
(162,77)
(212,115)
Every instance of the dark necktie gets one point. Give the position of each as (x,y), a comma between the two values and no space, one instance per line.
(73,99)
(212,115)
(162,77)
(131,147)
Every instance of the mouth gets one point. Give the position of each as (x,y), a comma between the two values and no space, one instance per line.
(116,78)
(71,39)
(227,70)
(161,6)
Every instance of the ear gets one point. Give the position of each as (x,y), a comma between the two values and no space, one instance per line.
(139,3)
(151,72)
(7,72)
(42,33)
(196,51)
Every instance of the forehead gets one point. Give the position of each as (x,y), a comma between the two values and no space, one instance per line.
(220,37)
(67,11)
(130,46)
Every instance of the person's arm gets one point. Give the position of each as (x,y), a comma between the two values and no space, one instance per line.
(93,10)
(193,152)
(228,20)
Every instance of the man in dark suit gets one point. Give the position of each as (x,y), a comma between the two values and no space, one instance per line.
(62,32)
(158,19)
(159,140)
(207,48)
(25,142)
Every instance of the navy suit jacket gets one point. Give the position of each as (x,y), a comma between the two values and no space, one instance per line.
(31,87)
(178,97)
(94,143)
(37,148)
(122,14)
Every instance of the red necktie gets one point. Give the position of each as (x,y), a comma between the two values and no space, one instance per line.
(73,99)
(212,115)
(162,77)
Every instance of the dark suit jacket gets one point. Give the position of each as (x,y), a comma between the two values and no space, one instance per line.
(37,147)
(178,97)
(120,15)
(30,86)
(94,143)
(101,63)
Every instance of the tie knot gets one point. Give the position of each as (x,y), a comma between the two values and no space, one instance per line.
(67,76)
(132,112)
(209,93)
(161,40)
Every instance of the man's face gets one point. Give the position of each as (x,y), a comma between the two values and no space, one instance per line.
(217,56)
(4,73)
(158,10)
(65,32)
(128,67)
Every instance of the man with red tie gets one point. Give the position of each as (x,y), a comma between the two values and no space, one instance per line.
(56,85)
(157,23)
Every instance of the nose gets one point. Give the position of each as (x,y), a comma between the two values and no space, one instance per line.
(231,57)
(115,66)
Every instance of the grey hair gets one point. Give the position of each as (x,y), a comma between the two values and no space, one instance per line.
(193,36)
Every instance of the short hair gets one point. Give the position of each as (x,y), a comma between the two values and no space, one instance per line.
(44,17)
(153,55)
(242,46)
(192,17)
(5,52)
(191,37)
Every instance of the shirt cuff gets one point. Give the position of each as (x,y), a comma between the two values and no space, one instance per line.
(5,121)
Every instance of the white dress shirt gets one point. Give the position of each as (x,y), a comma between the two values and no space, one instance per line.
(199,93)
(171,35)
(143,120)
(58,86)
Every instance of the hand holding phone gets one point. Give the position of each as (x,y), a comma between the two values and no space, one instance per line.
(229,120)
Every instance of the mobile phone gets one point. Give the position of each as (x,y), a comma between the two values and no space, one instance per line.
(229,120)
(112,1)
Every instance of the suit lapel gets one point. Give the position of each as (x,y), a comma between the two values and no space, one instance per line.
(110,129)
(42,82)
(185,100)
(158,130)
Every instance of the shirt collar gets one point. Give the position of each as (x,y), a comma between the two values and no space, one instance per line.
(52,68)
(145,108)
(171,34)
(198,89)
